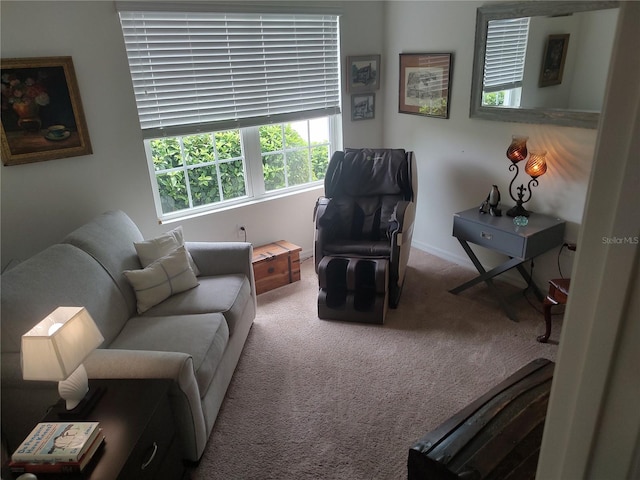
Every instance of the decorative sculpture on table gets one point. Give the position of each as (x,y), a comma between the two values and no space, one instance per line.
(490,205)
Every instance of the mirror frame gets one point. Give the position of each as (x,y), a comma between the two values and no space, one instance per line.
(486,13)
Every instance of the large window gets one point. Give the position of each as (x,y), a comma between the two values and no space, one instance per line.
(233,107)
(204,170)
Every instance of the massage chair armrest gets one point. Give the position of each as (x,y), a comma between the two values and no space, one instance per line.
(401,224)
(322,231)
(320,210)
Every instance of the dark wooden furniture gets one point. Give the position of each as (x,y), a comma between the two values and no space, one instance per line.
(275,265)
(497,436)
(558,294)
(140,434)
(520,244)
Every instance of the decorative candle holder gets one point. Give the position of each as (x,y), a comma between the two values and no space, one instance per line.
(535,167)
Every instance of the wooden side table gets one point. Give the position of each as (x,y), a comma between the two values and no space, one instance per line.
(542,233)
(140,434)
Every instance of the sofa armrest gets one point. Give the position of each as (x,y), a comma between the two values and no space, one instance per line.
(222,258)
(185,396)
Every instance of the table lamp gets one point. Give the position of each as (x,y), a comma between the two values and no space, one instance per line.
(56,347)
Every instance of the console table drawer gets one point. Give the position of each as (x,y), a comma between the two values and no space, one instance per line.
(489,237)
(153,446)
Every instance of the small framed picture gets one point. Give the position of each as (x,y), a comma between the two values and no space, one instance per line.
(425,80)
(363,73)
(363,106)
(42,115)
(555,53)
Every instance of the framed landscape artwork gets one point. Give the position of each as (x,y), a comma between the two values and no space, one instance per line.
(42,115)
(425,80)
(363,73)
(363,106)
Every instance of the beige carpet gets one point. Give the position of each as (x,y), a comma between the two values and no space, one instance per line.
(320,399)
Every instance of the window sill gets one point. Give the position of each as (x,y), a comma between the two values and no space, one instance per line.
(188,215)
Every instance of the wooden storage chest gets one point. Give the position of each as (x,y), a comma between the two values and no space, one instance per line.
(275,265)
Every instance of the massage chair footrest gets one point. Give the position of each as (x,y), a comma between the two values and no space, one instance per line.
(353,289)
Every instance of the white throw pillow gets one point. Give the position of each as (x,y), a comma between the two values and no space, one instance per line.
(151,250)
(165,277)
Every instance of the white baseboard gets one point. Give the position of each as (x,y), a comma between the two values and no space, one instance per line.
(511,277)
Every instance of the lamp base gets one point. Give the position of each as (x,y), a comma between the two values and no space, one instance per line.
(518,211)
(85,406)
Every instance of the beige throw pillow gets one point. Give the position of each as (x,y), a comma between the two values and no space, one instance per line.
(151,250)
(165,277)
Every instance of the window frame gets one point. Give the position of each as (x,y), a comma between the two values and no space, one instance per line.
(255,191)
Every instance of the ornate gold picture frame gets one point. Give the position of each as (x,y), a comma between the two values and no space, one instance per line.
(42,115)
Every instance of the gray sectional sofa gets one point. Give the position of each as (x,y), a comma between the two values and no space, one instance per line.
(194,337)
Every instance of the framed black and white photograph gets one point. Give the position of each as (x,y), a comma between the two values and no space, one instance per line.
(425,80)
(555,54)
(363,73)
(363,107)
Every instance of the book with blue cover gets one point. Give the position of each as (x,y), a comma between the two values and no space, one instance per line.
(51,442)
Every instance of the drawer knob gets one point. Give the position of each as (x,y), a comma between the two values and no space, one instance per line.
(486,235)
(153,455)
(271,270)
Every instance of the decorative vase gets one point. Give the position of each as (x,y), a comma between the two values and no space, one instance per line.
(517,151)
(28,118)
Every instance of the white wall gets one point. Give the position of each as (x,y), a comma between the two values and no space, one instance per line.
(41,202)
(593,422)
(459,158)
(590,77)
(585,72)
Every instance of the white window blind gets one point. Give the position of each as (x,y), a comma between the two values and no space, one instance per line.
(505,53)
(206,71)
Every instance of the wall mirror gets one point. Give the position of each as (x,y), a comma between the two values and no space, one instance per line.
(558,70)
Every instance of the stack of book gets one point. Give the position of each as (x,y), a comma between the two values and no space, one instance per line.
(58,447)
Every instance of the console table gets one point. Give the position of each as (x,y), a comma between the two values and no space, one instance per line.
(140,435)
(500,234)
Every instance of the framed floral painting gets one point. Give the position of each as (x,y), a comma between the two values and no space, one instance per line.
(42,115)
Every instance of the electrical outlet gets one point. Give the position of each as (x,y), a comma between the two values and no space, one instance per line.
(241,231)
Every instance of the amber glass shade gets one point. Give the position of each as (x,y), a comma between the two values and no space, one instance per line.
(536,165)
(517,151)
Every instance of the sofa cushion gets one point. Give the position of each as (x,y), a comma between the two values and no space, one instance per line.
(167,276)
(227,294)
(153,249)
(203,336)
(109,239)
(61,275)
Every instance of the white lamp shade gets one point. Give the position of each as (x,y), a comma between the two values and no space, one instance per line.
(57,345)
